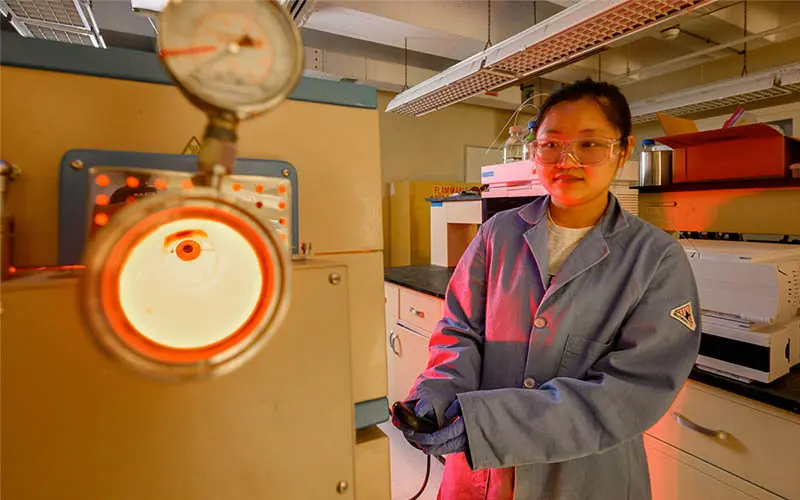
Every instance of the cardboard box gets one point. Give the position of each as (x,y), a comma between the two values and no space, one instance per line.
(745,152)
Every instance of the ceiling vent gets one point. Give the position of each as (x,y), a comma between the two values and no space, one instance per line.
(775,82)
(300,10)
(69,21)
(568,36)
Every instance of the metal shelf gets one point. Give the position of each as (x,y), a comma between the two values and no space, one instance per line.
(783,182)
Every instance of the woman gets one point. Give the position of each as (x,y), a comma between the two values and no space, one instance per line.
(569,328)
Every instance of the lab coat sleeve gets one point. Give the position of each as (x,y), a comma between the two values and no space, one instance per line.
(455,346)
(625,392)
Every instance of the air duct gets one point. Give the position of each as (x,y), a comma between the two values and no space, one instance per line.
(566,37)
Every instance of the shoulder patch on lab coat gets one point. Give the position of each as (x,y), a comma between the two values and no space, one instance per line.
(685,316)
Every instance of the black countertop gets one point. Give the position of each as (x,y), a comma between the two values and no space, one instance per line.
(783,393)
(431,280)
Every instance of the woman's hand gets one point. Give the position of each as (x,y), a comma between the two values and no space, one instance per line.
(452,438)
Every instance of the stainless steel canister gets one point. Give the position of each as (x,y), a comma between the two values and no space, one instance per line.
(655,167)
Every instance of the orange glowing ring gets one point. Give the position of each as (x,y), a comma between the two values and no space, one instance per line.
(108,254)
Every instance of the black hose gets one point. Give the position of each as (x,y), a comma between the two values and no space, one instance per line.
(424,483)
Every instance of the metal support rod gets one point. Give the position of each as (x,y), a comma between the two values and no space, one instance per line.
(218,153)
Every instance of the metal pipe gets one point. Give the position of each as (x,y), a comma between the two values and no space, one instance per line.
(218,154)
(704,52)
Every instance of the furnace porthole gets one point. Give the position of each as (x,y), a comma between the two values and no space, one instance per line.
(185,287)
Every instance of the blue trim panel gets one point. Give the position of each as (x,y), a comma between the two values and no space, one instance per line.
(74,189)
(369,413)
(125,64)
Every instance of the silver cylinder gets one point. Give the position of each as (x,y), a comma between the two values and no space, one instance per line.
(655,168)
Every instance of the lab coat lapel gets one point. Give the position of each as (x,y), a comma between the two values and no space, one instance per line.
(536,236)
(593,249)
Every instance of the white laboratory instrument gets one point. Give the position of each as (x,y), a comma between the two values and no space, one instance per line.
(520,180)
(747,352)
(745,281)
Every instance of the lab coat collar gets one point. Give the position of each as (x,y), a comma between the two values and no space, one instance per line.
(615,219)
(591,252)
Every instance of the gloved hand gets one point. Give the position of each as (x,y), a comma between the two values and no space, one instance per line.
(452,438)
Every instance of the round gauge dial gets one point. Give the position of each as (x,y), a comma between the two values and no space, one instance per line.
(241,56)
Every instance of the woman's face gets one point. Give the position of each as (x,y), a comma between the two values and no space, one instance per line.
(568,182)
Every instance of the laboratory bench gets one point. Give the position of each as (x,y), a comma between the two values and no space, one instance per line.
(721,439)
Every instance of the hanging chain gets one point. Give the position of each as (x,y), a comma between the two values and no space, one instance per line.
(405,53)
(628,66)
(744,56)
(489,25)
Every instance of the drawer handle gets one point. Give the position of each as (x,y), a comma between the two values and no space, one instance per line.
(721,435)
(417,312)
(394,343)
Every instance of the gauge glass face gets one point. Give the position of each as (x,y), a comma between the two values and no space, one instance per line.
(239,56)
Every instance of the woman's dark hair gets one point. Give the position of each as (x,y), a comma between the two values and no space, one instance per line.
(610,99)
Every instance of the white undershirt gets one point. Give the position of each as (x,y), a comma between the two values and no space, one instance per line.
(561,241)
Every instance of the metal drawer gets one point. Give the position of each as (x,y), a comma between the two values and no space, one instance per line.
(745,438)
(420,310)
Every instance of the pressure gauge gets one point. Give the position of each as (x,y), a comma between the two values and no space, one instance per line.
(239,56)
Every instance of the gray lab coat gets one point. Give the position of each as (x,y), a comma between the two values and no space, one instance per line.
(560,382)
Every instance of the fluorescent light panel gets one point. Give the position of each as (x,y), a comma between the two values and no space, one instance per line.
(565,37)
(735,91)
(69,21)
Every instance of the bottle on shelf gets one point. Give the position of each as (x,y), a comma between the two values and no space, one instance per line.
(513,148)
(527,143)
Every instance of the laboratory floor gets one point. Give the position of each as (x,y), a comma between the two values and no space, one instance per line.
(408,467)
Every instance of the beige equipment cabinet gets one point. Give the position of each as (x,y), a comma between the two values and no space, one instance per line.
(76,424)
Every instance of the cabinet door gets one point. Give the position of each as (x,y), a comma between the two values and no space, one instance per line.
(408,357)
(675,475)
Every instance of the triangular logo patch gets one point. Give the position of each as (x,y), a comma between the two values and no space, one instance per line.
(193,147)
(685,316)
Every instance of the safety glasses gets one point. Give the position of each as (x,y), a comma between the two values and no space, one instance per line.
(586,152)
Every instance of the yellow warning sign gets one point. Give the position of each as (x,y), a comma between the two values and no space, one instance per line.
(193,147)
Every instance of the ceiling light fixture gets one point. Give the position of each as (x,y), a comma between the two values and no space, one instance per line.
(775,82)
(69,21)
(566,37)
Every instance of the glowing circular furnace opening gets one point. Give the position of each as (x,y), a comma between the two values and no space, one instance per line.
(191,293)
(184,286)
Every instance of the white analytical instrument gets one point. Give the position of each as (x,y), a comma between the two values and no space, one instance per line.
(749,300)
(520,180)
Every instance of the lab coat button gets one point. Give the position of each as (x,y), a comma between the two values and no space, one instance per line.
(540,322)
(529,383)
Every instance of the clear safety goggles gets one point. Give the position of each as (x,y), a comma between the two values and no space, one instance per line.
(586,152)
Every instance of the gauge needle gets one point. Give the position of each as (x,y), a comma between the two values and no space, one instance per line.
(188,51)
(233,47)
